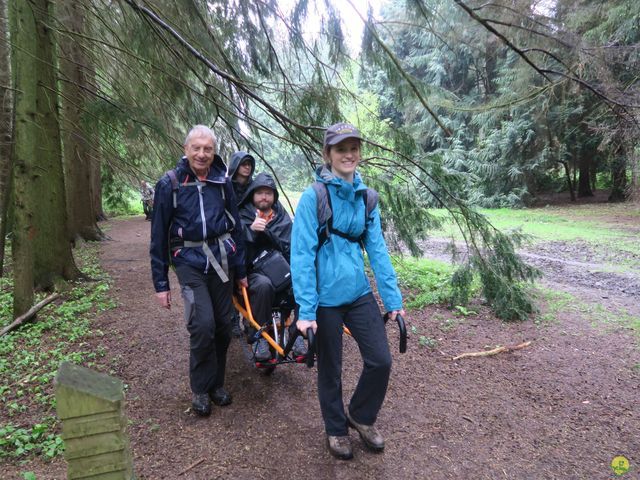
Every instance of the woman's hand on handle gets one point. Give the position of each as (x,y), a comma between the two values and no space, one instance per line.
(394,313)
(304,325)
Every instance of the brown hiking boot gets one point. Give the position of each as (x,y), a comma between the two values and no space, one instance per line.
(340,447)
(369,434)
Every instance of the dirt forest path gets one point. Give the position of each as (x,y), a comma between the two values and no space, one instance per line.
(562,408)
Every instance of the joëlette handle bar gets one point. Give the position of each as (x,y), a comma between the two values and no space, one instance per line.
(311,338)
(403,331)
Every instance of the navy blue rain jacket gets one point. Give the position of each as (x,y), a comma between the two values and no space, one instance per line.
(196,218)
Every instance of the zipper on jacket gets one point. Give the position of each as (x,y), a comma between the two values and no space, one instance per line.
(204,222)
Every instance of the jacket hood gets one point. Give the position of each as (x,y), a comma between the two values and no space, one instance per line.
(262,180)
(325,175)
(237,158)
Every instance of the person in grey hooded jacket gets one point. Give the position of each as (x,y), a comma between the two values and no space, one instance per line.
(241,168)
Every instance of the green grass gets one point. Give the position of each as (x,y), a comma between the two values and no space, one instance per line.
(127,203)
(294,197)
(588,223)
(30,357)
(545,225)
(560,303)
(425,281)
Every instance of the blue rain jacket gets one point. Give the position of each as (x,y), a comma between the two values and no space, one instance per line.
(333,274)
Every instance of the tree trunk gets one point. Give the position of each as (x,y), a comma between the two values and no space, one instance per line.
(52,246)
(634,188)
(6,126)
(77,156)
(23,53)
(618,177)
(575,168)
(593,173)
(584,182)
(41,247)
(567,173)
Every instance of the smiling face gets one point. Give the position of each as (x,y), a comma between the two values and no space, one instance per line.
(199,151)
(344,158)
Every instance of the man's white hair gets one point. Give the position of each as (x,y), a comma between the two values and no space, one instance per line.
(201,131)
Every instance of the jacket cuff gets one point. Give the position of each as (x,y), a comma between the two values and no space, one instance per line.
(241,271)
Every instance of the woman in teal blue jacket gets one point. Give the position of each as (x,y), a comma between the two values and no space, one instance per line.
(332,289)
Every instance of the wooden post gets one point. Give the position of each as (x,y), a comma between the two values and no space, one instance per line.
(91,407)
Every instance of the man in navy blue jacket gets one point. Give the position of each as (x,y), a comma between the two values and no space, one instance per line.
(196,228)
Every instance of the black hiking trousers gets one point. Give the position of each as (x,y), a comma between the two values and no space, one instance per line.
(207,312)
(364,320)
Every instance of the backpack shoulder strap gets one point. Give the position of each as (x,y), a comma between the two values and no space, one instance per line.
(323,206)
(174,185)
(370,200)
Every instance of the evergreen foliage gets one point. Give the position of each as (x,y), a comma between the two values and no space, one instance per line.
(462,103)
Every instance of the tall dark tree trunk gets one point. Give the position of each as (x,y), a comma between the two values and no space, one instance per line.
(618,177)
(593,173)
(584,182)
(567,173)
(634,188)
(575,168)
(23,54)
(6,127)
(52,246)
(77,156)
(41,247)
(96,182)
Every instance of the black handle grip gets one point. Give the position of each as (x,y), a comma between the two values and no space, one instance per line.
(311,338)
(403,333)
(403,330)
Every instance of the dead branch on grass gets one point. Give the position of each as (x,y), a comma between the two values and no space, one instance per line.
(495,351)
(30,313)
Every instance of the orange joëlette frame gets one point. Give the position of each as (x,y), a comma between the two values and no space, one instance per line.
(246,313)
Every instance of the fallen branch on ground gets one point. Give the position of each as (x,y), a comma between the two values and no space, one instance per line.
(194,464)
(30,313)
(495,351)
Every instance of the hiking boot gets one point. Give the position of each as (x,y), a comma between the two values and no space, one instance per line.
(263,354)
(369,434)
(221,397)
(340,446)
(201,405)
(299,348)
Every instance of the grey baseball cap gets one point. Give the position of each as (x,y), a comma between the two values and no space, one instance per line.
(339,132)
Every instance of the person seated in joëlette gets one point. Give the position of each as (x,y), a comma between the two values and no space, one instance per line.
(267,226)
